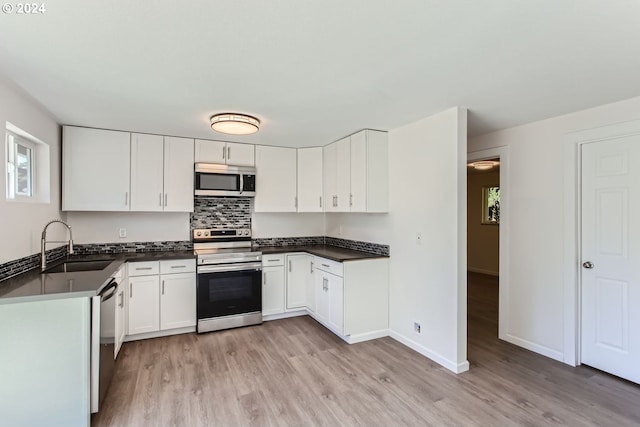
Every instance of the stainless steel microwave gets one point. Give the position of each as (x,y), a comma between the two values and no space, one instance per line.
(223,180)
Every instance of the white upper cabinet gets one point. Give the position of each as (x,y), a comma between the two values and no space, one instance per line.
(310,197)
(356,173)
(95,169)
(221,152)
(178,174)
(161,173)
(147,172)
(275,179)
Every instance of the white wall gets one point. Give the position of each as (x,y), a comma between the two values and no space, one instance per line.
(287,224)
(103,227)
(536,244)
(22,222)
(427,281)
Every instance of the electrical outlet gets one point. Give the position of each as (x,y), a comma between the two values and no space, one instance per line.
(122,232)
(416,327)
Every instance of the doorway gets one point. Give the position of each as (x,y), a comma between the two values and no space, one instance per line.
(488,278)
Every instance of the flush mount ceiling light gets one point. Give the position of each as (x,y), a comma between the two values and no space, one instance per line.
(483,165)
(235,124)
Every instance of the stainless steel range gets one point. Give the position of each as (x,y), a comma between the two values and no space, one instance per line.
(229,279)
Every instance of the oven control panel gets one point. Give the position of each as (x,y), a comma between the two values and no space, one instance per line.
(213,234)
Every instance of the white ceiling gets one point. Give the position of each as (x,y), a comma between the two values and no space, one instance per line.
(314,71)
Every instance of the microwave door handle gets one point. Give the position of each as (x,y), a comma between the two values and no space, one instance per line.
(241,183)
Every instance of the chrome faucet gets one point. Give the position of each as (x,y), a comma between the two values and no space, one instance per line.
(43,242)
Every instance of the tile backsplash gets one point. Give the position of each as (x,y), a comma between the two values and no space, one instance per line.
(221,212)
(19,266)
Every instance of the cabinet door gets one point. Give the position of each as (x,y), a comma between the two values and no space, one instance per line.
(343,178)
(321,285)
(241,154)
(298,272)
(275,179)
(310,179)
(120,330)
(330,168)
(146,172)
(177,300)
(310,295)
(272,290)
(144,304)
(95,169)
(178,174)
(336,303)
(358,172)
(210,151)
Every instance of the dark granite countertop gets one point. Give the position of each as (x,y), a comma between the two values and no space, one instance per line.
(334,253)
(33,286)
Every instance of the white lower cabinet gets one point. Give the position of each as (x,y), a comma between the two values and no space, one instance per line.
(121,315)
(161,302)
(299,274)
(177,301)
(273,284)
(144,307)
(329,300)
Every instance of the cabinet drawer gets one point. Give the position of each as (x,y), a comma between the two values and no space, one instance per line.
(144,268)
(178,266)
(272,260)
(328,265)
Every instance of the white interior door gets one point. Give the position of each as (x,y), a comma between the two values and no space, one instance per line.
(611,255)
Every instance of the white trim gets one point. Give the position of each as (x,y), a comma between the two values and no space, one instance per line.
(285,315)
(157,334)
(451,365)
(540,349)
(354,339)
(572,182)
(503,291)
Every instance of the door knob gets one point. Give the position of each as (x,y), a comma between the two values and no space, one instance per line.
(587,264)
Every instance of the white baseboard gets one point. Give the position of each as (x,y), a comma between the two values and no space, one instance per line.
(158,334)
(353,339)
(454,367)
(284,315)
(536,348)
(483,271)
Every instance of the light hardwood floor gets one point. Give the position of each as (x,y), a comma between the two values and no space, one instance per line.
(293,372)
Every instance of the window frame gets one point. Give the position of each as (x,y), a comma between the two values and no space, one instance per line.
(12,142)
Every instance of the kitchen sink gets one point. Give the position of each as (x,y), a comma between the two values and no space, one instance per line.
(71,266)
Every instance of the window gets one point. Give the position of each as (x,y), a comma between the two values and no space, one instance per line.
(20,167)
(27,167)
(491,205)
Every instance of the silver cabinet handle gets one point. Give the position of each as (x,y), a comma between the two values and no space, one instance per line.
(130,290)
(165,199)
(325,284)
(588,264)
(295,202)
(289,266)
(311,269)
(326,265)
(273,260)
(121,299)
(264,278)
(163,287)
(224,151)
(350,199)
(160,199)
(320,201)
(228,153)
(143,268)
(178,266)
(126,198)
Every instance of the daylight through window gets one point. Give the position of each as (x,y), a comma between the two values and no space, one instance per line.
(491,205)
(20,167)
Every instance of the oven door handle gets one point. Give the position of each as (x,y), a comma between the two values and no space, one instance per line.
(247,266)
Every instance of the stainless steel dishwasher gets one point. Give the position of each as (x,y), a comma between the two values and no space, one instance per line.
(103,315)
